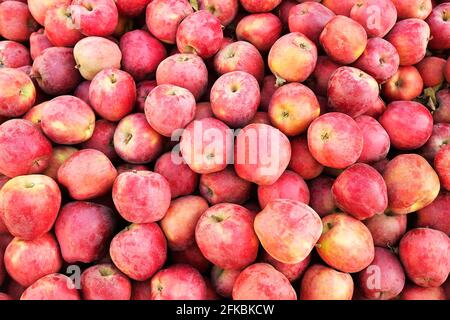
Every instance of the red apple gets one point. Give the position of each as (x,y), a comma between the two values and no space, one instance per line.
(431,70)
(203,111)
(51,287)
(342,7)
(102,138)
(292,271)
(38,43)
(131,8)
(376,140)
(322,73)
(18,93)
(95,17)
(442,113)
(105,282)
(376,16)
(39,8)
(191,256)
(260,29)
(60,28)
(224,10)
(405,84)
(260,6)
(437,214)
(442,166)
(413,8)
(386,228)
(13,54)
(439,26)
(82,91)
(16,22)
(223,280)
(140,290)
(143,89)
(268,88)
(321,197)
(413,292)
(440,137)
(59,155)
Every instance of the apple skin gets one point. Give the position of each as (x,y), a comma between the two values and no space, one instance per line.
(141,196)
(112,94)
(309,18)
(60,29)
(360,191)
(39,8)
(413,9)
(16,22)
(223,280)
(431,70)
(240,56)
(292,58)
(4,296)
(324,140)
(324,283)
(51,287)
(268,88)
(203,111)
(29,205)
(380,59)
(439,27)
(289,186)
(225,11)
(292,271)
(102,138)
(352,91)
(292,108)
(143,89)
(191,256)
(386,269)
(440,137)
(140,290)
(23,148)
(410,116)
(178,282)
(302,162)
(141,53)
(18,93)
(14,54)
(82,91)
(442,113)
(135,141)
(441,164)
(224,187)
(261,281)
(201,33)
(288,230)
(131,8)
(284,9)
(225,236)
(436,215)
(95,17)
(184,70)
(376,140)
(83,230)
(405,84)
(341,7)
(235,98)
(322,73)
(38,43)
(260,29)
(376,16)
(413,292)
(169,109)
(87,174)
(410,38)
(255,6)
(321,196)
(59,155)
(139,250)
(105,282)
(213,151)
(93,54)
(386,228)
(34,115)
(346,244)
(424,254)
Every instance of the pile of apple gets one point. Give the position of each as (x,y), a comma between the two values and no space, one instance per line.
(206,149)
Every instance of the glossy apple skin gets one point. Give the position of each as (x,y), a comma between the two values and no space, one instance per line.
(322,73)
(260,29)
(386,228)
(14,54)
(60,28)
(413,292)
(59,156)
(217,232)
(376,140)
(431,70)
(439,27)
(376,16)
(102,138)
(261,281)
(424,254)
(38,43)
(352,91)
(302,162)
(321,197)
(83,230)
(223,280)
(262,154)
(360,191)
(139,250)
(29,205)
(224,187)
(178,282)
(292,271)
(409,124)
(323,283)
(324,140)
(410,38)
(288,230)
(346,244)
(95,17)
(200,33)
(105,282)
(29,260)
(51,287)
(436,215)
(18,93)
(292,58)
(441,164)
(405,84)
(184,70)
(384,278)
(87,174)
(16,22)
(413,9)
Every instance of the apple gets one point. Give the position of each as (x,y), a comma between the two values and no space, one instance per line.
(410,38)
(424,254)
(442,113)
(105,282)
(131,8)
(87,174)
(203,110)
(224,187)
(51,287)
(93,54)
(261,281)
(225,11)
(376,143)
(60,28)
(39,8)
(38,43)
(322,73)
(178,282)
(139,250)
(102,138)
(95,17)
(408,123)
(346,244)
(436,214)
(341,7)
(431,70)
(440,137)
(225,236)
(223,280)
(4,296)
(184,70)
(18,93)
(191,256)
(405,84)
(268,88)
(441,164)
(292,271)
(438,22)
(260,29)
(143,89)
(141,53)
(284,8)
(169,108)
(321,196)
(59,155)
(13,54)
(292,58)
(16,22)
(260,6)
(82,91)
(140,290)
(386,228)
(413,292)
(413,9)
(376,16)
